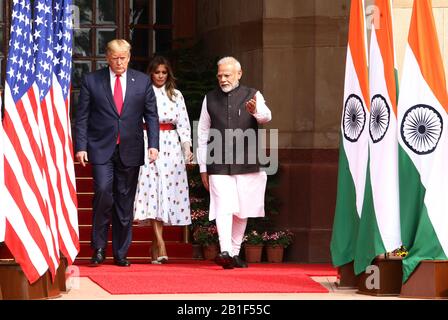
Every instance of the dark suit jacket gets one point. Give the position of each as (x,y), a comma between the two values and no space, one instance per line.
(98,122)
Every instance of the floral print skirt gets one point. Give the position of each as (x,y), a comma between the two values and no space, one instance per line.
(162,191)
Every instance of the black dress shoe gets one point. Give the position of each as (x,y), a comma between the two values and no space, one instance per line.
(99,255)
(238,262)
(225,260)
(122,262)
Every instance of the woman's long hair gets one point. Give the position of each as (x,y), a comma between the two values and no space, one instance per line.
(170,84)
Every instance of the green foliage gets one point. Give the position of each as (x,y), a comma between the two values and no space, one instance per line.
(199,198)
(278,238)
(203,231)
(206,235)
(196,75)
(271,203)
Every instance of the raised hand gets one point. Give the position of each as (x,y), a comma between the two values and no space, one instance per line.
(251,105)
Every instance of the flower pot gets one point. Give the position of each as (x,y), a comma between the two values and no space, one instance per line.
(253,252)
(275,253)
(197,251)
(210,251)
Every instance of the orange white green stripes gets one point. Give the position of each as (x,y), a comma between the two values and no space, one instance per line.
(353,152)
(379,230)
(423,139)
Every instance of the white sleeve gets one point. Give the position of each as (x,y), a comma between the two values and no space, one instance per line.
(183,123)
(203,132)
(262,113)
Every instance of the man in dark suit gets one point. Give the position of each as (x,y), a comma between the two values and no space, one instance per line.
(109,133)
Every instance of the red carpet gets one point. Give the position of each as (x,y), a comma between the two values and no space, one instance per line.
(206,277)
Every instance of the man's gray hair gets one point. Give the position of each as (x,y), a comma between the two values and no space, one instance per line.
(230,60)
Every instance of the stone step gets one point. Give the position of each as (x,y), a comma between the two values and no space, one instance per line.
(140,250)
(84,184)
(139,233)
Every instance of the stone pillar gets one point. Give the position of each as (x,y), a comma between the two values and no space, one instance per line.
(184,16)
(234,27)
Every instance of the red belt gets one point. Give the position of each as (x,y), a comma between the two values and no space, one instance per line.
(167,126)
(163,126)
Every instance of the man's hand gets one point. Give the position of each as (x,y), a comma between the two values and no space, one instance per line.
(251,105)
(81,156)
(153,154)
(204,177)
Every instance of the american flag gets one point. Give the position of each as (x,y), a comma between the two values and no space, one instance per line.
(40,200)
(2,181)
(62,50)
(53,39)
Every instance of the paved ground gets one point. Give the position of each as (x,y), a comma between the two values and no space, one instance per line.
(84,289)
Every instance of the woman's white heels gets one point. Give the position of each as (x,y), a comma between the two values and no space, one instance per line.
(162,259)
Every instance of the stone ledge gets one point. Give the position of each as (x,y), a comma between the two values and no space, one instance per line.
(15,286)
(428,281)
(389,281)
(347,280)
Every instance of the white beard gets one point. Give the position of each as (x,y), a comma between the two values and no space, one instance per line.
(228,88)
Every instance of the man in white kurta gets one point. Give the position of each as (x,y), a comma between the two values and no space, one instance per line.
(236,187)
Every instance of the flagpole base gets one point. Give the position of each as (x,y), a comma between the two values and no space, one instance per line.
(15,285)
(384,280)
(347,280)
(61,275)
(428,281)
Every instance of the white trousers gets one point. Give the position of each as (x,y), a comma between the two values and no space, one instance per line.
(233,199)
(231,232)
(240,194)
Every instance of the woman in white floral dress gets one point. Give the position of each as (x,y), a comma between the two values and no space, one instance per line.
(162,193)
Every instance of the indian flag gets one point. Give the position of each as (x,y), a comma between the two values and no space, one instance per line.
(379,230)
(353,150)
(423,139)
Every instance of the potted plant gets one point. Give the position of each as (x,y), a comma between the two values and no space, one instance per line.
(207,236)
(276,242)
(253,246)
(199,216)
(199,204)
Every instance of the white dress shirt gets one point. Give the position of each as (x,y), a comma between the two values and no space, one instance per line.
(122,78)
